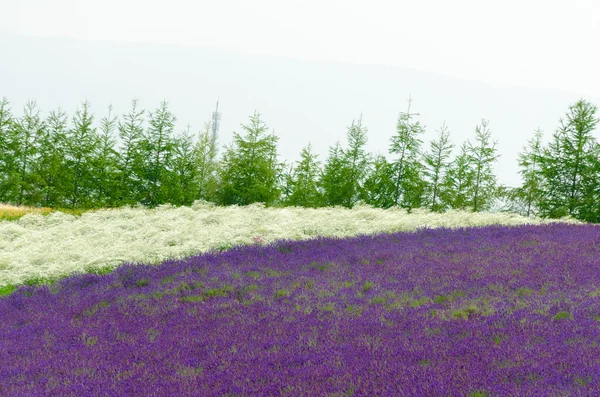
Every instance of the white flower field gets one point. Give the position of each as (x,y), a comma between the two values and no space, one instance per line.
(56,245)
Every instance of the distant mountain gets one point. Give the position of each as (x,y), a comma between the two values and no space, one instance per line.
(301,100)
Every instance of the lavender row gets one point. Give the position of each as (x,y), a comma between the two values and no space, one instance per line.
(495,311)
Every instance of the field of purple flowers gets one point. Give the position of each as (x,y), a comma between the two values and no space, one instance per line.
(494,311)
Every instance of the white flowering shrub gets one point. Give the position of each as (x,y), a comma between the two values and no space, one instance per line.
(37,246)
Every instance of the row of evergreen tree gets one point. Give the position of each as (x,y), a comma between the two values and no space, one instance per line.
(138,158)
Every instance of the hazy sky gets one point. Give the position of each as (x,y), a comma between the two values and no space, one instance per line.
(542,43)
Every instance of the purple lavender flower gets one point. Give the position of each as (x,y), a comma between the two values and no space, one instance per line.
(495,311)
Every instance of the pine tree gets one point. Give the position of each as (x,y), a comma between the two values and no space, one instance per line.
(589,209)
(356,162)
(30,129)
(335,175)
(9,185)
(415,186)
(457,185)
(80,146)
(183,182)
(405,146)
(131,156)
(569,166)
(250,172)
(378,188)
(303,181)
(524,199)
(158,147)
(287,180)
(51,165)
(483,156)
(106,162)
(436,164)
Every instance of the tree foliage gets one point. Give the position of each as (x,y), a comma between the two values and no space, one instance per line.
(457,184)
(569,166)
(483,154)
(303,181)
(249,170)
(51,167)
(525,198)
(157,146)
(334,176)
(378,189)
(346,169)
(106,162)
(137,158)
(29,130)
(405,148)
(9,150)
(436,163)
(131,164)
(356,163)
(80,145)
(183,181)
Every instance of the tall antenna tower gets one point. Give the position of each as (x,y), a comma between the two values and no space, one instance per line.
(216,121)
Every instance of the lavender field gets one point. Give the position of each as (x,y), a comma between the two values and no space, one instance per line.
(492,311)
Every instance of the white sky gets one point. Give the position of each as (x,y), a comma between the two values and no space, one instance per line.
(540,43)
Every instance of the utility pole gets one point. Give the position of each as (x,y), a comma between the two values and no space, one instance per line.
(408,113)
(216,121)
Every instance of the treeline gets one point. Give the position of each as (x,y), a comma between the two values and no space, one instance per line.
(139,158)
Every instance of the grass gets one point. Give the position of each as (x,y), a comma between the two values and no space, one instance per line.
(9,212)
(7,290)
(562,315)
(13,212)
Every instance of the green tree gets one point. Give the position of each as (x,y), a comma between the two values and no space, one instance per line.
(379,186)
(158,148)
(80,147)
(334,176)
(344,171)
(483,156)
(569,166)
(131,155)
(436,163)
(303,181)
(106,162)
(51,165)
(30,129)
(249,170)
(405,146)
(287,180)
(589,210)
(183,182)
(9,144)
(457,184)
(525,198)
(356,162)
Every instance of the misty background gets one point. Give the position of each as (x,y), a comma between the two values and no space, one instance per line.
(301,100)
